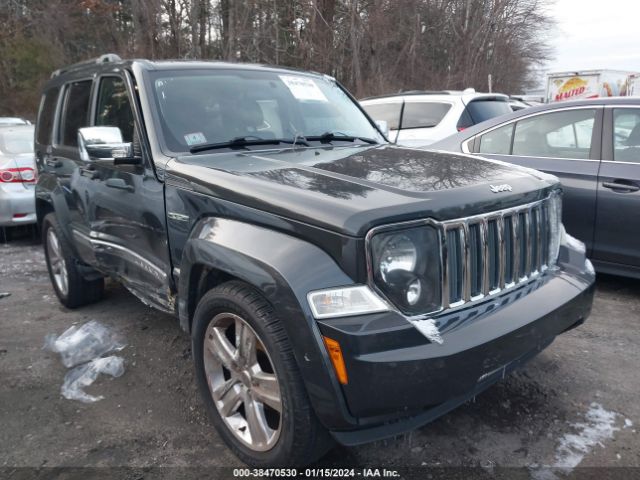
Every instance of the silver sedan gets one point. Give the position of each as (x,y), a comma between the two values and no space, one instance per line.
(17,176)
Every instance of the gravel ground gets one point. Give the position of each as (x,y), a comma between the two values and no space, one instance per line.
(580,393)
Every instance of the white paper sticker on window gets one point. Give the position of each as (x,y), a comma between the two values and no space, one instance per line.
(196,138)
(303,88)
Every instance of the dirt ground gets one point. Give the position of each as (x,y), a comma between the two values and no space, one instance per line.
(153,416)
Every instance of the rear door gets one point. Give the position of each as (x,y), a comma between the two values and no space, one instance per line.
(617,238)
(63,161)
(564,143)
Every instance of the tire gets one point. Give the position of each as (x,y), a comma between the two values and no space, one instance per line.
(299,438)
(64,269)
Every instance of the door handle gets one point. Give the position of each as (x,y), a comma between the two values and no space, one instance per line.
(89,172)
(623,187)
(119,184)
(52,162)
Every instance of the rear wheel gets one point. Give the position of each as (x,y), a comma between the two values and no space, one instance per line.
(64,269)
(250,382)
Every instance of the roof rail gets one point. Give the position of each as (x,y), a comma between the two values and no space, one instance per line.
(106,58)
(409,92)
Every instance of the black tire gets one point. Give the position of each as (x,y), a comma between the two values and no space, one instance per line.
(302,439)
(79,291)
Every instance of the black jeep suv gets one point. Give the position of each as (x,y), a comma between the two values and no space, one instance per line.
(335,287)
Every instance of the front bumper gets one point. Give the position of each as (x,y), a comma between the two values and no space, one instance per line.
(398,380)
(17,205)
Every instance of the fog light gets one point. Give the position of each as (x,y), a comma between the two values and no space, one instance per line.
(414,290)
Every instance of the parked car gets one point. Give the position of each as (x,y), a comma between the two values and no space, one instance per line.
(13,121)
(17,176)
(335,287)
(419,118)
(593,146)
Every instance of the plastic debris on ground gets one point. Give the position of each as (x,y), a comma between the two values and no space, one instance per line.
(83,347)
(81,344)
(82,376)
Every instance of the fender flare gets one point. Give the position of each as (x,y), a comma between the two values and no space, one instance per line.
(284,269)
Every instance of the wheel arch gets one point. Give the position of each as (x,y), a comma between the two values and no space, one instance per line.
(283,269)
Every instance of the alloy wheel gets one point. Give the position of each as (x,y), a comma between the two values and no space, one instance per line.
(57,263)
(242,381)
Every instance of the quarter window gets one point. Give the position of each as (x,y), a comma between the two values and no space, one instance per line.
(423,114)
(114,107)
(46,116)
(565,134)
(76,111)
(497,141)
(626,135)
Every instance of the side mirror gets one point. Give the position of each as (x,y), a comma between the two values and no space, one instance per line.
(383,126)
(105,144)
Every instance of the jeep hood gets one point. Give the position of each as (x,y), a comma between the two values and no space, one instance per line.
(351,189)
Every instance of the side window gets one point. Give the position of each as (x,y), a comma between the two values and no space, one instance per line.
(560,134)
(76,111)
(46,115)
(423,114)
(389,112)
(626,135)
(114,107)
(497,141)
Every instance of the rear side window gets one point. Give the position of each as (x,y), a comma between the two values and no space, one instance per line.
(46,115)
(626,135)
(389,112)
(481,110)
(497,141)
(423,114)
(557,135)
(114,107)
(76,111)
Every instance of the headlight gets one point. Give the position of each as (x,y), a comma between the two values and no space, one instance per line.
(555,226)
(406,268)
(344,301)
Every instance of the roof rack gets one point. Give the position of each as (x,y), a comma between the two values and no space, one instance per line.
(106,58)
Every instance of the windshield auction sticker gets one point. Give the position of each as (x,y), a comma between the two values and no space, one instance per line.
(303,88)
(196,138)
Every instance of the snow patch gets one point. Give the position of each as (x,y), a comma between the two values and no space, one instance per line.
(627,423)
(428,328)
(599,425)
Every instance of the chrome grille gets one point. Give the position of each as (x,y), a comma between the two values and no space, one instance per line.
(485,254)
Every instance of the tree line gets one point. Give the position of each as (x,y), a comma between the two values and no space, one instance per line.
(371,46)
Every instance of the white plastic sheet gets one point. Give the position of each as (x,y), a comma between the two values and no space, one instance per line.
(81,344)
(82,376)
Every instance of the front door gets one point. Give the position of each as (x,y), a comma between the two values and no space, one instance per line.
(125,214)
(617,238)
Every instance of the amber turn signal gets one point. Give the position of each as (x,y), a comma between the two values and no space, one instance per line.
(335,353)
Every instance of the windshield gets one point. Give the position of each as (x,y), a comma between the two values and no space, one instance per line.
(199,107)
(16,141)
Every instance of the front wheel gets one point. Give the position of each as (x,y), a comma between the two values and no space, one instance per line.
(250,382)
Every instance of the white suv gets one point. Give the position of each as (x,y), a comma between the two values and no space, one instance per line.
(419,118)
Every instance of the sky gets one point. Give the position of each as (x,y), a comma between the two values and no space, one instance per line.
(591,35)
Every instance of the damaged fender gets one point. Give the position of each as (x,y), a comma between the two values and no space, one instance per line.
(284,269)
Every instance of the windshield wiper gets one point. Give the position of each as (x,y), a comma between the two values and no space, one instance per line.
(241,142)
(329,136)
